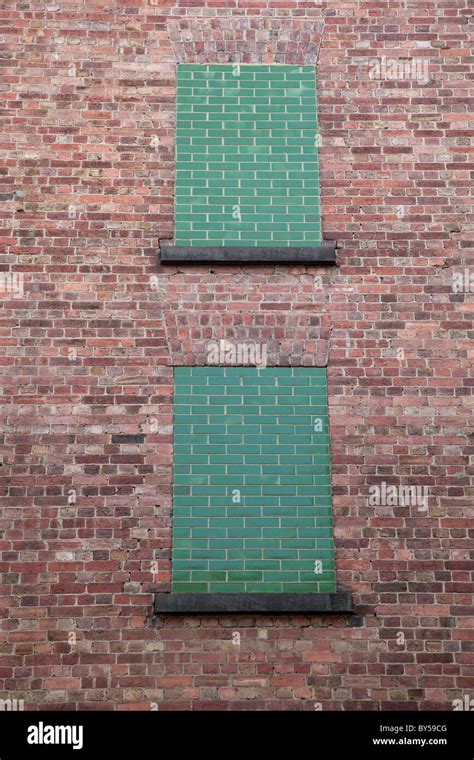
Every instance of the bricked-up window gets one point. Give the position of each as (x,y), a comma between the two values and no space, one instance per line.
(252,485)
(246,156)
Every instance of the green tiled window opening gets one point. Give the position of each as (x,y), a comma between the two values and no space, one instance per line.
(252,483)
(247,170)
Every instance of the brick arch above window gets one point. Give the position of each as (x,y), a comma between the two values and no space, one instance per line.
(230,38)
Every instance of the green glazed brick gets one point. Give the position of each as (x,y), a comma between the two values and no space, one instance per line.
(280,523)
(225,440)
(229,543)
(264,587)
(243,510)
(280,533)
(281,554)
(300,588)
(211,555)
(307,565)
(190,458)
(228,127)
(185,542)
(228,522)
(190,565)
(209,576)
(249,554)
(191,480)
(190,522)
(263,522)
(181,490)
(273,576)
(208,533)
(190,588)
(247,576)
(314,532)
(209,510)
(262,501)
(246,533)
(227,564)
(283,449)
(250,427)
(265,564)
(181,554)
(181,575)
(276,510)
(230,588)
(248,470)
(262,480)
(327,578)
(252,542)
(207,449)
(181,501)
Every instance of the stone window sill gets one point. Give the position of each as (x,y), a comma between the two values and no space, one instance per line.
(319,254)
(257,603)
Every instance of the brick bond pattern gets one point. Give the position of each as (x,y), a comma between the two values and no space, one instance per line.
(252,484)
(87,180)
(246,156)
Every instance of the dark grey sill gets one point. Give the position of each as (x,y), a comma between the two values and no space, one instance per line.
(318,254)
(188,604)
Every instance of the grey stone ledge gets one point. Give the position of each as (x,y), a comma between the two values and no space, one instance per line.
(255,603)
(318,254)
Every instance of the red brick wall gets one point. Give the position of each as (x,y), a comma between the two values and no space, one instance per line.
(90,335)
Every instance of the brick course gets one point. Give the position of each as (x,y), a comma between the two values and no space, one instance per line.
(93,326)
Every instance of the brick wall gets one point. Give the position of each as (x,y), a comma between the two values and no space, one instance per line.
(92,325)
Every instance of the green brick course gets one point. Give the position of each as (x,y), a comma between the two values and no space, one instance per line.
(252,489)
(247,170)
